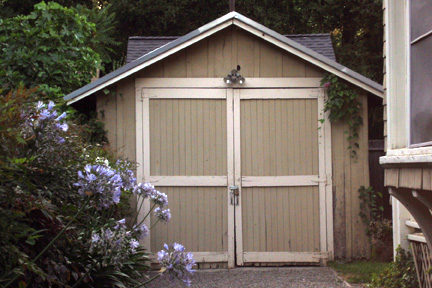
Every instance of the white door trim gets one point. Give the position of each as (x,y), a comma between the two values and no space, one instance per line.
(273,181)
(143,154)
(231,176)
(211,83)
(238,179)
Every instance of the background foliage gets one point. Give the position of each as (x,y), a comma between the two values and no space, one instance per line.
(50,47)
(356,26)
(400,274)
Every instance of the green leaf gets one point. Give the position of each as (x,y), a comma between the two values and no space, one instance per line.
(21,140)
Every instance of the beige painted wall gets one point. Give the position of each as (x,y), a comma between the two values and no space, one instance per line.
(215,57)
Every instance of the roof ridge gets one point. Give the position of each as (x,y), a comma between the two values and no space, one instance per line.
(153,37)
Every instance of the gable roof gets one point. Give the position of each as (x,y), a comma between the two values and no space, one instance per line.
(232,18)
(142,45)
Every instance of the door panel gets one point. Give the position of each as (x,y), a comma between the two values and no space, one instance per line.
(188,137)
(279,137)
(188,160)
(199,219)
(278,219)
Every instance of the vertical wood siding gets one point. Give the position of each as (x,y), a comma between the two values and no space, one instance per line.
(278,219)
(279,137)
(199,219)
(215,57)
(348,175)
(188,137)
(414,178)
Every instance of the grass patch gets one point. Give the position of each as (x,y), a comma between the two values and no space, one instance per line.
(359,271)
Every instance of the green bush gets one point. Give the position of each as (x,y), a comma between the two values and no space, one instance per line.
(400,274)
(52,48)
(60,204)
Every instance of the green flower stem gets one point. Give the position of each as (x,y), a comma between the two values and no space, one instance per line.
(139,210)
(154,224)
(148,213)
(52,242)
(148,281)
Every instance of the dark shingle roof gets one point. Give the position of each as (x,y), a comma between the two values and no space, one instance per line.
(139,46)
(320,43)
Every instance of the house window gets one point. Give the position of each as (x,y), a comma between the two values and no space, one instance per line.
(421,72)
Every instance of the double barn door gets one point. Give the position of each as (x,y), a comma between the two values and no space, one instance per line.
(246,169)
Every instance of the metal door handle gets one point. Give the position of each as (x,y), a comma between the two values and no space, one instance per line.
(234,195)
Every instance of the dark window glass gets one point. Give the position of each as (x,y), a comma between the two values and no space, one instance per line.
(421,17)
(421,71)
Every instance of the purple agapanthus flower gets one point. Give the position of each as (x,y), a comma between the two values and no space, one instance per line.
(141,231)
(144,190)
(95,237)
(120,224)
(127,175)
(177,263)
(42,121)
(164,215)
(102,182)
(133,245)
(159,198)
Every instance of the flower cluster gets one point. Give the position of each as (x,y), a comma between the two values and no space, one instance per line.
(101,181)
(123,168)
(140,231)
(164,215)
(44,124)
(176,262)
(114,246)
(146,190)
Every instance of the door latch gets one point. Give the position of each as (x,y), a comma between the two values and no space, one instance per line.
(234,195)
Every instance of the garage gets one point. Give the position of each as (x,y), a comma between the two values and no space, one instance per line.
(229,122)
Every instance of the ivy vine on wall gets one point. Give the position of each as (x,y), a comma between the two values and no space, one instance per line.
(343,104)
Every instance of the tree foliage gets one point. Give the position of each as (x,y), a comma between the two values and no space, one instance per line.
(53,46)
(356,26)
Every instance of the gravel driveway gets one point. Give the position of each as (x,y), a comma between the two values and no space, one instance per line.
(304,277)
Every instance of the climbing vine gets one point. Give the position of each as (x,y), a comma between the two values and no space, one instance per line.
(343,104)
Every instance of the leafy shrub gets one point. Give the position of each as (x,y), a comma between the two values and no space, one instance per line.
(378,228)
(400,274)
(52,47)
(343,104)
(93,130)
(64,204)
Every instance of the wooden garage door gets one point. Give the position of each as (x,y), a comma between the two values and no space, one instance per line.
(245,170)
(185,156)
(278,173)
